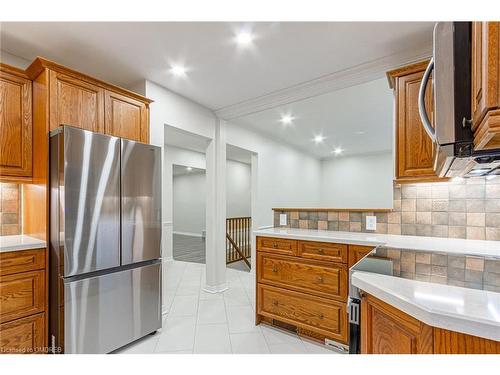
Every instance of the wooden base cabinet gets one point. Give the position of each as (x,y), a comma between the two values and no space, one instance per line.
(387,330)
(302,286)
(23,302)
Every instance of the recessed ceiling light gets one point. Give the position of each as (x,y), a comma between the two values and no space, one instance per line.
(189,169)
(286,119)
(178,70)
(360,132)
(338,151)
(244,38)
(319,138)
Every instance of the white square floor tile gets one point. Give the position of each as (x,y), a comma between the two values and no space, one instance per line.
(178,334)
(288,348)
(145,345)
(275,336)
(184,306)
(211,311)
(241,319)
(212,338)
(248,343)
(315,348)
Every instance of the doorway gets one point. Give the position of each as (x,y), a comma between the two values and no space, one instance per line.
(189,213)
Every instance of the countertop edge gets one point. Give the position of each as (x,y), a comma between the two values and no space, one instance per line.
(450,322)
(20,243)
(416,243)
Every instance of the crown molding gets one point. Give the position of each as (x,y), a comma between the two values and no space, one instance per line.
(355,75)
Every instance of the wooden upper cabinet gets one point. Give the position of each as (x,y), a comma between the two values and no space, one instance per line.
(76,99)
(126,117)
(486,84)
(414,148)
(75,102)
(15,123)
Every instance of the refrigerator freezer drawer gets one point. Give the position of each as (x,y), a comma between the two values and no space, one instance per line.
(106,312)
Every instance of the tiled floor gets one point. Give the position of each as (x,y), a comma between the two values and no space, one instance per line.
(200,322)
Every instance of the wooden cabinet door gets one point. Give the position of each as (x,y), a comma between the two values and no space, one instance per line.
(23,336)
(356,253)
(15,125)
(415,151)
(386,330)
(486,84)
(126,117)
(75,102)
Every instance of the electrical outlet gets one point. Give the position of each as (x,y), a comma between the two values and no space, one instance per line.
(371,223)
(282,219)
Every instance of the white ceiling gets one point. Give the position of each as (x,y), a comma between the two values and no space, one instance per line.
(339,116)
(220,73)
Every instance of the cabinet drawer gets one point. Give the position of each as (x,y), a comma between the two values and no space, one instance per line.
(331,252)
(21,261)
(326,317)
(21,295)
(326,280)
(23,336)
(277,245)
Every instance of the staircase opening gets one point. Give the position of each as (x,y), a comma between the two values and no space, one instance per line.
(238,208)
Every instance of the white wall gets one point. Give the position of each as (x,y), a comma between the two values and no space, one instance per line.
(10,59)
(286,177)
(189,193)
(238,189)
(360,181)
(183,208)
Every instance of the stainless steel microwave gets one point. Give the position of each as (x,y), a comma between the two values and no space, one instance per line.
(450,67)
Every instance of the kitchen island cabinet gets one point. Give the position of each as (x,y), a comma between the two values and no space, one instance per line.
(387,330)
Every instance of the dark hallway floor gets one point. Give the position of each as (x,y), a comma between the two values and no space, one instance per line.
(192,249)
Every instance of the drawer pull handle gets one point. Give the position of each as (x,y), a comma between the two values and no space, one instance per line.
(320,279)
(275,269)
(275,302)
(320,251)
(321,316)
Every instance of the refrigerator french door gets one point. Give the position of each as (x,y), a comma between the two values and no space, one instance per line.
(105,235)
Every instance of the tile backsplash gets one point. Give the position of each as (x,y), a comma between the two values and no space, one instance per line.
(468,208)
(10,207)
(474,272)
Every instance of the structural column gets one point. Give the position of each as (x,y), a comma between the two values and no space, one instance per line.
(216,211)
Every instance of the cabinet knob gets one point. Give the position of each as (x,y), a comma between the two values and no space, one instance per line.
(320,251)
(275,245)
(321,316)
(275,269)
(275,302)
(320,279)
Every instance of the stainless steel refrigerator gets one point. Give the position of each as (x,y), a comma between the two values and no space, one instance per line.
(105,236)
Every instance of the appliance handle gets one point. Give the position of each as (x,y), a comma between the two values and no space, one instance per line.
(421,102)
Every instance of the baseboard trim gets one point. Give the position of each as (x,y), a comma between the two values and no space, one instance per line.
(215,289)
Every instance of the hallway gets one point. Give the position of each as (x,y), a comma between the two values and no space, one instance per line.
(200,322)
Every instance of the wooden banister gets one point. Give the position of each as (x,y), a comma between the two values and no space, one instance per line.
(238,239)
